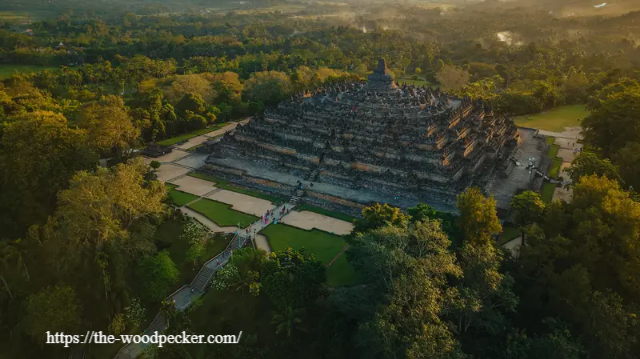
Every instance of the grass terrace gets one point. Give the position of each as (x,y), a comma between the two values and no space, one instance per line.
(547,192)
(326,212)
(178,197)
(221,213)
(224,184)
(556,119)
(323,245)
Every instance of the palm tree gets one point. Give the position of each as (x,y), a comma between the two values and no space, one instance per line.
(6,252)
(21,252)
(288,320)
(168,311)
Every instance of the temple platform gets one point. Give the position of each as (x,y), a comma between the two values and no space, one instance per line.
(361,196)
(520,179)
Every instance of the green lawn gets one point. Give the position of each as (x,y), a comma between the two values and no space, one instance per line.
(178,197)
(341,273)
(508,233)
(550,140)
(547,192)
(556,163)
(555,119)
(186,136)
(221,213)
(224,184)
(7,70)
(338,215)
(323,245)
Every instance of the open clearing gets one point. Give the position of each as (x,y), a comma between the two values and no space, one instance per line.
(310,220)
(7,70)
(555,120)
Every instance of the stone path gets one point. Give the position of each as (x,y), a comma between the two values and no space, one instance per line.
(242,202)
(513,246)
(309,220)
(198,140)
(169,171)
(169,157)
(193,185)
(567,146)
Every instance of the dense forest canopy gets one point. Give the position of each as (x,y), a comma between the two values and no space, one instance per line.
(91,245)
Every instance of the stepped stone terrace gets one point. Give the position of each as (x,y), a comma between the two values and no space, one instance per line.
(371,142)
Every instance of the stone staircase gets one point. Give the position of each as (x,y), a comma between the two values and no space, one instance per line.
(313,175)
(157,325)
(201,281)
(295,199)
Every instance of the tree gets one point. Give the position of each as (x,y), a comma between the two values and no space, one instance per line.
(168,311)
(613,123)
(579,266)
(269,87)
(194,234)
(527,208)
(438,66)
(452,78)
(190,102)
(7,252)
(378,215)
(101,207)
(109,125)
(154,164)
(157,274)
(485,296)
(291,278)
(588,163)
(406,271)
(628,161)
(478,217)
(118,324)
(288,320)
(42,153)
(53,309)
(199,85)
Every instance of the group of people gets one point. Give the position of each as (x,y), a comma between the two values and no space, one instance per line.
(273,214)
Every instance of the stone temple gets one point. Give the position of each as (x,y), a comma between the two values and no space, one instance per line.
(360,143)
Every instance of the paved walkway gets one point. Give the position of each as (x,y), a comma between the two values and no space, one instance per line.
(309,220)
(567,147)
(198,140)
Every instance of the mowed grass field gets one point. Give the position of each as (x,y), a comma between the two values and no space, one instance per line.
(7,70)
(555,120)
(221,213)
(324,246)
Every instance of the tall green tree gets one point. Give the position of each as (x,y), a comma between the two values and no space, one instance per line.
(527,208)
(478,216)
(39,153)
